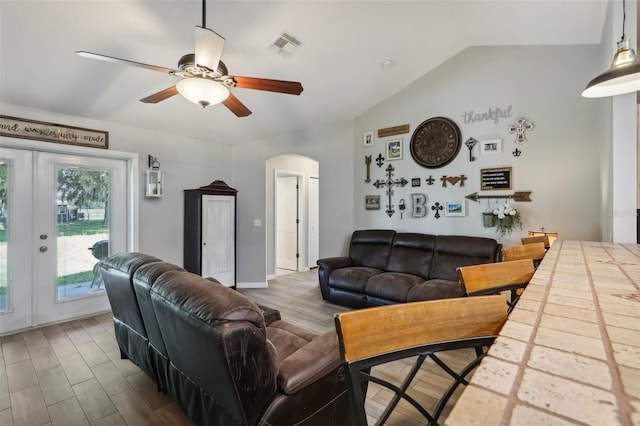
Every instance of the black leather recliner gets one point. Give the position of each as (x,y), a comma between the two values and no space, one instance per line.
(212,350)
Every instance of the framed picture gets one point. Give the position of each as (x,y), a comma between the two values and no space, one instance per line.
(394,149)
(491,146)
(372,202)
(454,208)
(367,139)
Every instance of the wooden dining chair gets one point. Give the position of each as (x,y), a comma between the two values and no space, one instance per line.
(495,278)
(371,337)
(535,251)
(538,239)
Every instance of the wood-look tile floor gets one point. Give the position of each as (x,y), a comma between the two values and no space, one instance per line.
(71,373)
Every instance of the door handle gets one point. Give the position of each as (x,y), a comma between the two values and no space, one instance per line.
(43,249)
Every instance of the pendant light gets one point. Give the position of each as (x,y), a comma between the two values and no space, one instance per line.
(624,74)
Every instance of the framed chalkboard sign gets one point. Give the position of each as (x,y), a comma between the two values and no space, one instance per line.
(495,178)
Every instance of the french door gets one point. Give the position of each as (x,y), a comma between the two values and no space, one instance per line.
(61,214)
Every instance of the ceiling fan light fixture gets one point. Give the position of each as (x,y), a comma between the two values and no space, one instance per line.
(202,91)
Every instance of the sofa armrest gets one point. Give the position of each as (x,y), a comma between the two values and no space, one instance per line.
(325,267)
(308,364)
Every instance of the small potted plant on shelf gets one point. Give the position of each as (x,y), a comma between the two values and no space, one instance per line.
(508,219)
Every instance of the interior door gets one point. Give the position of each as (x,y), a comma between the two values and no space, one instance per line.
(287,222)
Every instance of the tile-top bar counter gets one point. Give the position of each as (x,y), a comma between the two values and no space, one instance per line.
(570,351)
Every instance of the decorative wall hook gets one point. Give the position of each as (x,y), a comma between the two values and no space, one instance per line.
(470,143)
(516,196)
(519,127)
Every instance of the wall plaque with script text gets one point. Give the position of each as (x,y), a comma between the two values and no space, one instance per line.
(50,132)
(495,178)
(392,131)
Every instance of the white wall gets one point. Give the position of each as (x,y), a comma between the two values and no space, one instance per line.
(560,162)
(187,163)
(331,146)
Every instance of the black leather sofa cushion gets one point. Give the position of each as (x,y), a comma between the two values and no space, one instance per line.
(371,248)
(411,253)
(453,251)
(353,279)
(435,289)
(392,285)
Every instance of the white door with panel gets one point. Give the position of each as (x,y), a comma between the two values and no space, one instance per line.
(287,222)
(60,223)
(218,238)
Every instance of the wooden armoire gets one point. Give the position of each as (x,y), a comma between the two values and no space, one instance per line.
(210,232)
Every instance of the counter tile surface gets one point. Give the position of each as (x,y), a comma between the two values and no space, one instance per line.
(569,353)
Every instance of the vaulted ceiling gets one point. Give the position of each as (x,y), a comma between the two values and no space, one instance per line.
(339,63)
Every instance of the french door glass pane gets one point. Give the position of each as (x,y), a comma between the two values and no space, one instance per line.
(82,218)
(4,235)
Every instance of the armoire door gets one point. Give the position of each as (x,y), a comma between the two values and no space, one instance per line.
(218,238)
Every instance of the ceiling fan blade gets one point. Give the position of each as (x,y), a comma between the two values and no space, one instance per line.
(235,106)
(209,45)
(160,96)
(279,86)
(124,61)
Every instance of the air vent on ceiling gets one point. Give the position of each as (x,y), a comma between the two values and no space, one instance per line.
(286,44)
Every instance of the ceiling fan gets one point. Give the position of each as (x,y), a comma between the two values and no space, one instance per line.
(205,78)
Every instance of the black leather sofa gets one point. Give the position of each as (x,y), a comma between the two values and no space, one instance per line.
(224,359)
(386,267)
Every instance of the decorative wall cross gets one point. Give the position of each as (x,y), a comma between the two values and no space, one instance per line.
(390,183)
(519,127)
(436,207)
(367,161)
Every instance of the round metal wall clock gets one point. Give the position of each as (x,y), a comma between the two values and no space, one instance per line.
(435,142)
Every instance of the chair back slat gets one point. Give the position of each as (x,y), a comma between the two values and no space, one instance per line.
(538,239)
(374,331)
(535,251)
(495,275)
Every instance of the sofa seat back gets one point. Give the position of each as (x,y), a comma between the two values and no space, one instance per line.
(371,248)
(131,334)
(411,254)
(452,252)
(143,280)
(229,371)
